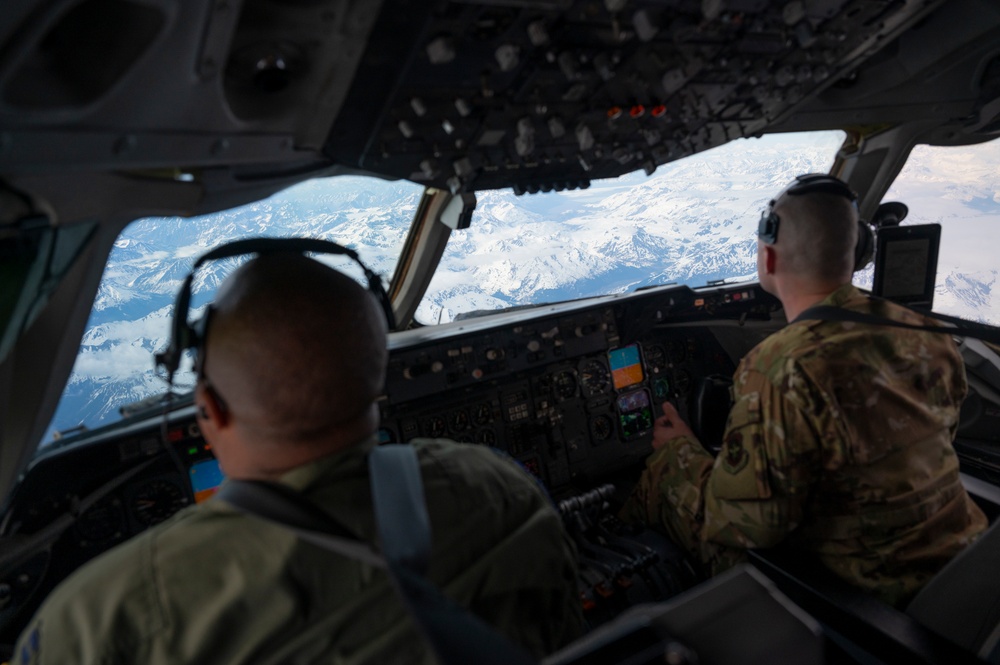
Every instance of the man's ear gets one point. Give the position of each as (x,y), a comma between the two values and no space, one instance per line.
(770,259)
(209,409)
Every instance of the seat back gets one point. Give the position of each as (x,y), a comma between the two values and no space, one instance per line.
(962,602)
(710,411)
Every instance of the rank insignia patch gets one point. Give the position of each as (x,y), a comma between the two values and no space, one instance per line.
(735,456)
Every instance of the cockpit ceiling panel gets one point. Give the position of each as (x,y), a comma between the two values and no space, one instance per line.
(469,95)
(546,96)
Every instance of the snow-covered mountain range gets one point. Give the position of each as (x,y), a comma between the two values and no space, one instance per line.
(691,222)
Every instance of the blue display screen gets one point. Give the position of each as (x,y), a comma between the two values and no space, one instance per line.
(206,476)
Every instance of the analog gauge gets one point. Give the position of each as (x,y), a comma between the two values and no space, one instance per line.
(656,358)
(682,382)
(676,351)
(44,512)
(661,388)
(487,437)
(458,421)
(156,501)
(484,414)
(601,428)
(434,427)
(102,523)
(594,377)
(565,384)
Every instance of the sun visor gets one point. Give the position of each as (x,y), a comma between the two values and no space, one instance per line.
(34,256)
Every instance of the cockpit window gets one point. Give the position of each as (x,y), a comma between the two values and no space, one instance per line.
(131,315)
(958,187)
(692,222)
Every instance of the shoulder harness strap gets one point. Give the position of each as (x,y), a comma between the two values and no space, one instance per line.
(962,328)
(455,635)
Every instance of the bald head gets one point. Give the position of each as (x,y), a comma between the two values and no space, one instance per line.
(817,236)
(297,351)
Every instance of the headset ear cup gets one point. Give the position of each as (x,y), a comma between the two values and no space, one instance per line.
(865,248)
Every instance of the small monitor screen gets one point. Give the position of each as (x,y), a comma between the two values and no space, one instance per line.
(906,261)
(206,476)
(635,414)
(626,366)
(906,264)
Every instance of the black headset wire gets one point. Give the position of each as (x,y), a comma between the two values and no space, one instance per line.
(165,431)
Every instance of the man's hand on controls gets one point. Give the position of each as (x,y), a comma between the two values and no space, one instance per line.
(669,426)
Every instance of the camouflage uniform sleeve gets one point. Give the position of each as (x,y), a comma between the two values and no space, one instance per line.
(755,491)
(669,492)
(770,459)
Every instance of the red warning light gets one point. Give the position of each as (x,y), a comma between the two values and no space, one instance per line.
(658,111)
(637,111)
(614,112)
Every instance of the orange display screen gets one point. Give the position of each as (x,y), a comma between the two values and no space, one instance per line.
(626,366)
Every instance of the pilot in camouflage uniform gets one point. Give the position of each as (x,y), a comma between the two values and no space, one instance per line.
(838,444)
(214,586)
(289,377)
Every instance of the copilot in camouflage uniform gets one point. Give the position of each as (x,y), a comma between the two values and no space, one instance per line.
(838,444)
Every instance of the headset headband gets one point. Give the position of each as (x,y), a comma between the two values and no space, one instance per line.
(824,183)
(184,335)
(809,183)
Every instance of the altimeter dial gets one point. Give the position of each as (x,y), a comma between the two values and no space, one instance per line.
(594,377)
(156,501)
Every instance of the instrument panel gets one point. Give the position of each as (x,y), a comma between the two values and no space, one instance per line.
(583,412)
(573,395)
(571,392)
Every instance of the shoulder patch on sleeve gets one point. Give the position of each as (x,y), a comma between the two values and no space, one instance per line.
(745,412)
(30,647)
(740,471)
(734,455)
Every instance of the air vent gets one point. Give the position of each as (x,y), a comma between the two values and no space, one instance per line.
(83,54)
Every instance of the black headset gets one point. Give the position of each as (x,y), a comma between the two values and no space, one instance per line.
(767,229)
(185,335)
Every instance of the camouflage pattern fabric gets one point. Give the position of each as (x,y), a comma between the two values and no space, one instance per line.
(211,585)
(838,444)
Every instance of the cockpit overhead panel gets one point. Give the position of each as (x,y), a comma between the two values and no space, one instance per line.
(551,95)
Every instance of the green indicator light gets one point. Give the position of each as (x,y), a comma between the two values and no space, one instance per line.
(192,451)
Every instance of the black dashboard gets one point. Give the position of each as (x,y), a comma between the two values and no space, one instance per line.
(573,394)
(570,391)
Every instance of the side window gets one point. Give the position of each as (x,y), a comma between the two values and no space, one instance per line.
(958,187)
